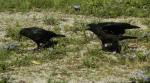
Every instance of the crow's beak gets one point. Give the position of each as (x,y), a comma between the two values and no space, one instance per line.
(136,26)
(87,29)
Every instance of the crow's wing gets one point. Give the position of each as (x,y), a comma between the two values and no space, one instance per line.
(36,34)
(116,28)
(126,37)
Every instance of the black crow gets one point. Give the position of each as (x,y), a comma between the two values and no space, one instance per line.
(110,34)
(38,35)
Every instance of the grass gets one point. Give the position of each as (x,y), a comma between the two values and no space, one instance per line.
(102,8)
(74,45)
(80,51)
(13,32)
(4,54)
(4,80)
(97,57)
(53,81)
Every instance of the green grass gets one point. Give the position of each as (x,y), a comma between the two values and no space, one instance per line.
(103,8)
(4,54)
(4,57)
(24,5)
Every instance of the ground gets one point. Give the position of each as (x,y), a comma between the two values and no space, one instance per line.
(73,62)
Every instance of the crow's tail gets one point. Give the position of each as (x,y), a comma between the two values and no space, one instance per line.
(126,37)
(59,35)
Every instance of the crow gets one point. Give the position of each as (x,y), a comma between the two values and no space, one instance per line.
(110,33)
(40,36)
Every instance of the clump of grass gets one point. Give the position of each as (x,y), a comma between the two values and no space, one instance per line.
(13,32)
(91,62)
(143,55)
(145,36)
(4,80)
(58,52)
(96,58)
(49,20)
(146,21)
(57,28)
(4,54)
(4,66)
(79,26)
(24,61)
(68,28)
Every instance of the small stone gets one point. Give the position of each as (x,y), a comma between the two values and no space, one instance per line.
(10,46)
(76,7)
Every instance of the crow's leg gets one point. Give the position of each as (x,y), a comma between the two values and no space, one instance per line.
(103,45)
(45,44)
(38,45)
(116,47)
(111,47)
(50,43)
(108,47)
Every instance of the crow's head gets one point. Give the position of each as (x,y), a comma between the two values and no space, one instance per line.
(27,32)
(22,32)
(93,27)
